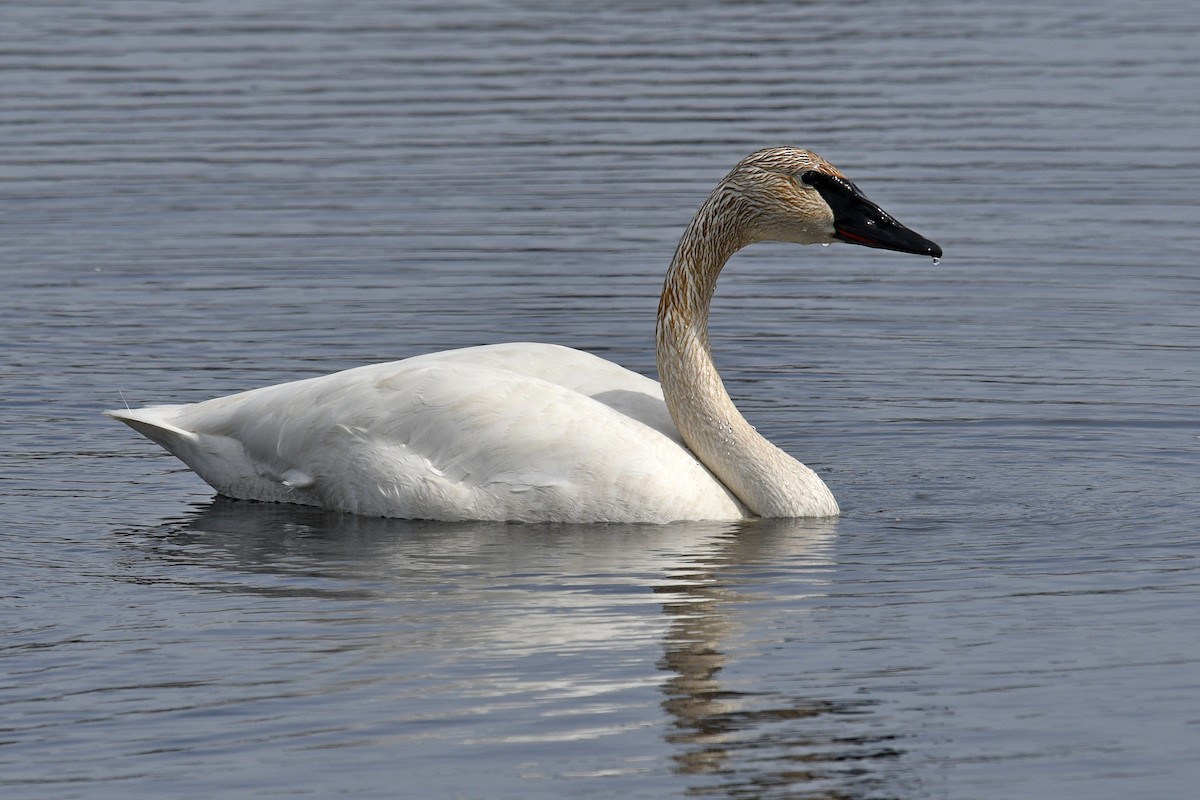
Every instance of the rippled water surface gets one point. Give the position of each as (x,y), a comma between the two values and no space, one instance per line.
(198,198)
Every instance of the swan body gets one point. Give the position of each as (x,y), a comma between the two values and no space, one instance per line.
(518,431)
(539,432)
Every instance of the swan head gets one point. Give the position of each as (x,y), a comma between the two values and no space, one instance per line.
(787,194)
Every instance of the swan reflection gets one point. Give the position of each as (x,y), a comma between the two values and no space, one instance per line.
(755,741)
(549,635)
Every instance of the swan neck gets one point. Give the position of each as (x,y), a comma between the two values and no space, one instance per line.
(768,481)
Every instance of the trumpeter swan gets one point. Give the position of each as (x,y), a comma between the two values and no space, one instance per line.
(538,432)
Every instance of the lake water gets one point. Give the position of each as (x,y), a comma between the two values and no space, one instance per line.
(198,198)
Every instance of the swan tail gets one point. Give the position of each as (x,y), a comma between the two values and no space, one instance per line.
(221,461)
(152,423)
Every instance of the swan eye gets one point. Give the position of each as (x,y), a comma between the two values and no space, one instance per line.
(808,178)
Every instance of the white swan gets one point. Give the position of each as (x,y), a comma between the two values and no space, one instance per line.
(538,432)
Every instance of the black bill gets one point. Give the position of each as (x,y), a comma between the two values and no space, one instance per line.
(859,221)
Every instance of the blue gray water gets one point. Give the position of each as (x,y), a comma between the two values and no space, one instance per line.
(205,197)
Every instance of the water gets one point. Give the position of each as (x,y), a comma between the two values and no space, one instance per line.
(201,198)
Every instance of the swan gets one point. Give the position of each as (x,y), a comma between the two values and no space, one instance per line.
(539,432)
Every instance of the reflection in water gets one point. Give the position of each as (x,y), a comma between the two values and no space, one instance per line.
(519,592)
(758,743)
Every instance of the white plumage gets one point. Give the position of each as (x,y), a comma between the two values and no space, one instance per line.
(536,432)
(518,431)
